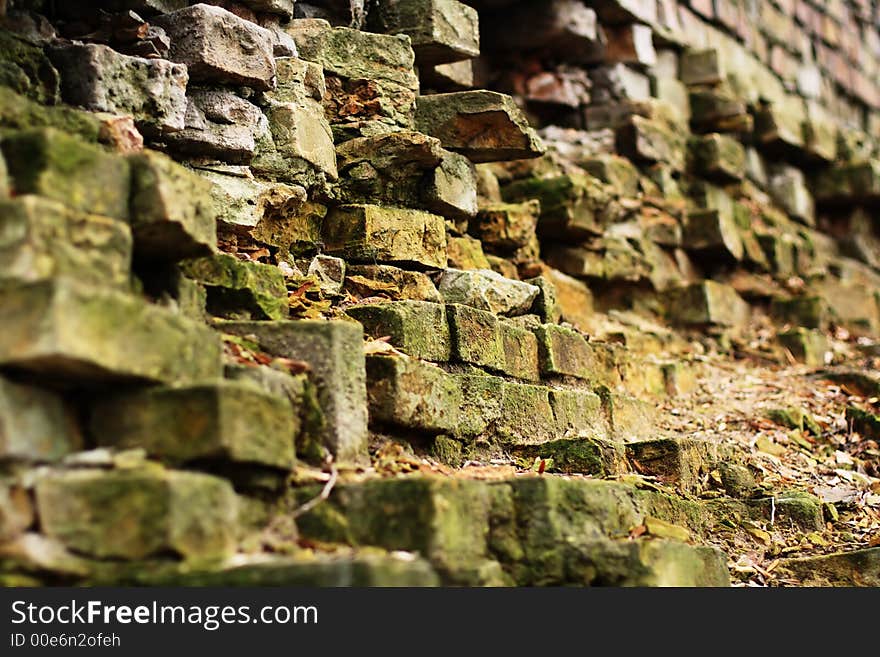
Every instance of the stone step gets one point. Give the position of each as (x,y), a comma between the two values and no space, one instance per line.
(526,531)
(79,334)
(855,568)
(220,422)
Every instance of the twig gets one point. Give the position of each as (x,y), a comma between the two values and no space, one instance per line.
(323,495)
(772,510)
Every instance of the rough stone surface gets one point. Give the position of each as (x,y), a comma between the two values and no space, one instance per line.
(487,290)
(418,328)
(35,425)
(334,351)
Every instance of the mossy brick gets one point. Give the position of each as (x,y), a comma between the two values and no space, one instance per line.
(648,140)
(392,282)
(465,253)
(520,349)
(171,209)
(526,415)
(372,234)
(238,287)
(717,156)
(506,226)
(616,171)
(217,422)
(133,514)
(779,126)
(334,351)
(791,508)
(84,334)
(643,377)
(219,47)
(698,67)
(808,346)
(63,168)
(25,69)
(487,290)
(708,302)
(713,231)
(630,419)
(481,407)
(415,395)
(565,352)
(572,206)
(444,520)
(578,413)
(718,109)
(418,328)
(442,31)
(850,568)
(546,305)
(809,312)
(847,182)
(96,77)
(35,424)
(16,510)
(485,126)
(591,456)
(41,239)
(475,337)
(680,462)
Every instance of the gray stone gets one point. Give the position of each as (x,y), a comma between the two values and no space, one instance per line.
(335,354)
(451,189)
(35,425)
(133,514)
(329,272)
(707,303)
(487,290)
(224,421)
(218,46)
(100,79)
(219,125)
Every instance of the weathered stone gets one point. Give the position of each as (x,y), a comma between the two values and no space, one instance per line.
(630,419)
(630,44)
(334,351)
(133,514)
(371,84)
(574,298)
(41,239)
(804,311)
(217,422)
(848,183)
(701,67)
(4,178)
(465,253)
(441,31)
(855,568)
(219,124)
(780,252)
(412,394)
(779,126)
(218,46)
(26,69)
(483,125)
(171,209)
(520,349)
(580,413)
(104,335)
(545,305)
(35,425)
(480,338)
(718,156)
(455,76)
(60,167)
(370,233)
(788,188)
(648,140)
(526,416)
(391,282)
(572,206)
(565,352)
(417,328)
(238,287)
(329,272)
(506,226)
(714,231)
(707,303)
(96,77)
(16,511)
(486,290)
(807,346)
(451,190)
(566,27)
(718,109)
(678,462)
(299,135)
(618,172)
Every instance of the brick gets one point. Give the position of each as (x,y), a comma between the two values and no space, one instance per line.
(418,328)
(35,425)
(565,352)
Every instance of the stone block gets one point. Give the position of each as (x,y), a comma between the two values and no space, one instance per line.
(16,511)
(335,354)
(683,463)
(708,302)
(41,239)
(718,156)
(807,346)
(697,67)
(138,513)
(152,91)
(617,172)
(374,234)
(487,290)
(630,44)
(441,31)
(83,334)
(788,188)
(649,140)
(219,47)
(222,422)
(239,288)
(418,328)
(451,188)
(35,425)
(565,352)
(579,413)
(506,226)
(714,231)
(60,167)
(466,253)
(455,76)
(390,282)
(485,126)
(171,209)
(411,394)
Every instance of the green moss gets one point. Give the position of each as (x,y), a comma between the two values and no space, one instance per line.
(25,69)
(418,328)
